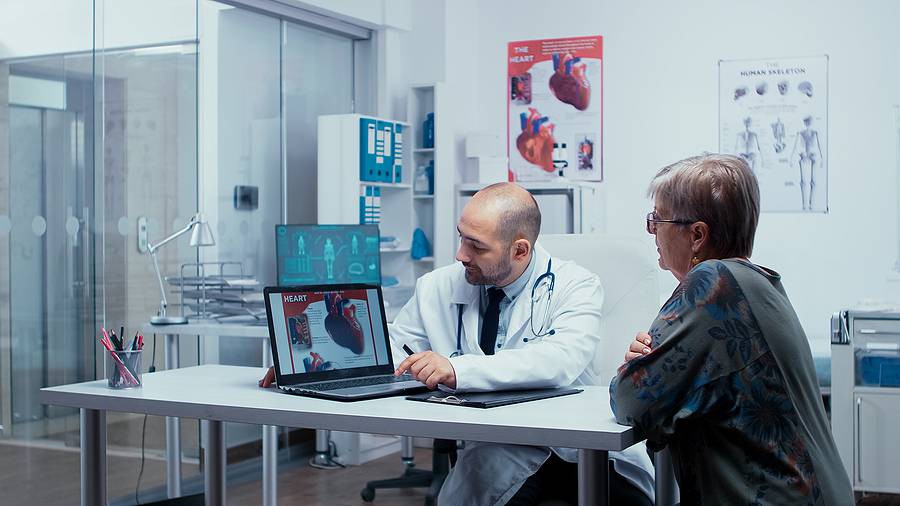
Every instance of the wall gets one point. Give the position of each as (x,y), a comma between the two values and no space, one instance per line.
(368,13)
(660,94)
(66,25)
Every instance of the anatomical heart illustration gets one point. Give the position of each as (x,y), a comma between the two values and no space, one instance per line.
(555,98)
(569,81)
(535,143)
(342,325)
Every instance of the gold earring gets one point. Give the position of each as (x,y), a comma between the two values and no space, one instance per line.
(695,261)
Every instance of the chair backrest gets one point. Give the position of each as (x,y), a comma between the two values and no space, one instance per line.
(629,272)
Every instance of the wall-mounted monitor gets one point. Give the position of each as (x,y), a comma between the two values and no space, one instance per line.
(327,254)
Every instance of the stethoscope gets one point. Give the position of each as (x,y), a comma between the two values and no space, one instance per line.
(543,286)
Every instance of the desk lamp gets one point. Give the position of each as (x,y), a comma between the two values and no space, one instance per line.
(201,235)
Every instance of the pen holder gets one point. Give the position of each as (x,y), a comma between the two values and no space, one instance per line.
(123,368)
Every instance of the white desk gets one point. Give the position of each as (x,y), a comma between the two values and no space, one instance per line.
(217,393)
(173,438)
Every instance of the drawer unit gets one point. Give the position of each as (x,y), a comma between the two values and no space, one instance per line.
(865,397)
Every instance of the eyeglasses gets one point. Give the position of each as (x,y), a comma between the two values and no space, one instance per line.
(653,219)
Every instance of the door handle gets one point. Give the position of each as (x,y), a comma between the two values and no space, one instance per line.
(858,442)
(872,332)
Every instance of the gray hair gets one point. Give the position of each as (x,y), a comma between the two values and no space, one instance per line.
(719,190)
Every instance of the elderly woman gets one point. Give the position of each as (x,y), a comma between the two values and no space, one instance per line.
(725,377)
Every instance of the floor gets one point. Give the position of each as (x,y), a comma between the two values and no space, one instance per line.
(57,481)
(879,500)
(301,484)
(51,476)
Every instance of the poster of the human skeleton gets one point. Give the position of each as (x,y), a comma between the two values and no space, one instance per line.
(555,105)
(774,114)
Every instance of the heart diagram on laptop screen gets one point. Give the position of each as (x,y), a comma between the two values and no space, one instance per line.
(342,324)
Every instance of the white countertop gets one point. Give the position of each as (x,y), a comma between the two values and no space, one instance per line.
(230,393)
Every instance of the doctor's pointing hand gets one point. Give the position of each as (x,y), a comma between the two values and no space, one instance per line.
(429,368)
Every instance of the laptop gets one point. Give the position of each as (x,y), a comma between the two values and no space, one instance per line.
(331,341)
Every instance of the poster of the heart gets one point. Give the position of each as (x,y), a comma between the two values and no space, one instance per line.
(554,90)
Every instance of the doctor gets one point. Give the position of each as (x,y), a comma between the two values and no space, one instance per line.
(510,316)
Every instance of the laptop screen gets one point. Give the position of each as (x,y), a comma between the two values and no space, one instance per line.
(326,329)
(327,254)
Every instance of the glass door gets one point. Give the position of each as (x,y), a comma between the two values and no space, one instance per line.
(49,263)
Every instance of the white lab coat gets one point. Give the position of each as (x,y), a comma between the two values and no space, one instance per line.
(489,473)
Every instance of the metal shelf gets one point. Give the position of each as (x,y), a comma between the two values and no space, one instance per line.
(399,186)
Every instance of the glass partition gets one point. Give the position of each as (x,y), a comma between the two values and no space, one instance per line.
(47,299)
(146,189)
(112,134)
(315,83)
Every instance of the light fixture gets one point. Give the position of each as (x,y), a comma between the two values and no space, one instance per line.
(201,235)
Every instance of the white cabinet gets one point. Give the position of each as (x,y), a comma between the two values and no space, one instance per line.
(351,149)
(364,174)
(865,397)
(420,112)
(433,213)
(877,458)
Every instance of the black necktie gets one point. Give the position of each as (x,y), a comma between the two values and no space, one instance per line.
(491,320)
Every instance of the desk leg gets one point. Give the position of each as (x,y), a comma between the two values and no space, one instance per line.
(667,492)
(93,457)
(214,463)
(270,447)
(173,428)
(593,478)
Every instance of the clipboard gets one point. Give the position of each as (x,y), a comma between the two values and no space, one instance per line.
(492,399)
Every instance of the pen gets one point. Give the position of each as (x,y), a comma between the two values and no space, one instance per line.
(112,337)
(407,349)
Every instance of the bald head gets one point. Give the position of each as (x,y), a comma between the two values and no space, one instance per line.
(497,231)
(513,210)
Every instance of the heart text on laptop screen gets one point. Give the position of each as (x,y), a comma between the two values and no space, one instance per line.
(319,331)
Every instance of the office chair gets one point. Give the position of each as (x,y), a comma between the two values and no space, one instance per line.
(629,272)
(443,457)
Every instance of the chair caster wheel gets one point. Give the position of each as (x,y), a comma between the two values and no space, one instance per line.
(367,494)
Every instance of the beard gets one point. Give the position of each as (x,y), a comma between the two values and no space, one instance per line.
(490,276)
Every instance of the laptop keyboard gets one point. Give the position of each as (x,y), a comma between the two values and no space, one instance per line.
(355,382)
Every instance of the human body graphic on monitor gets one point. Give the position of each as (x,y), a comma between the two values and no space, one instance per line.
(327,254)
(302,257)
